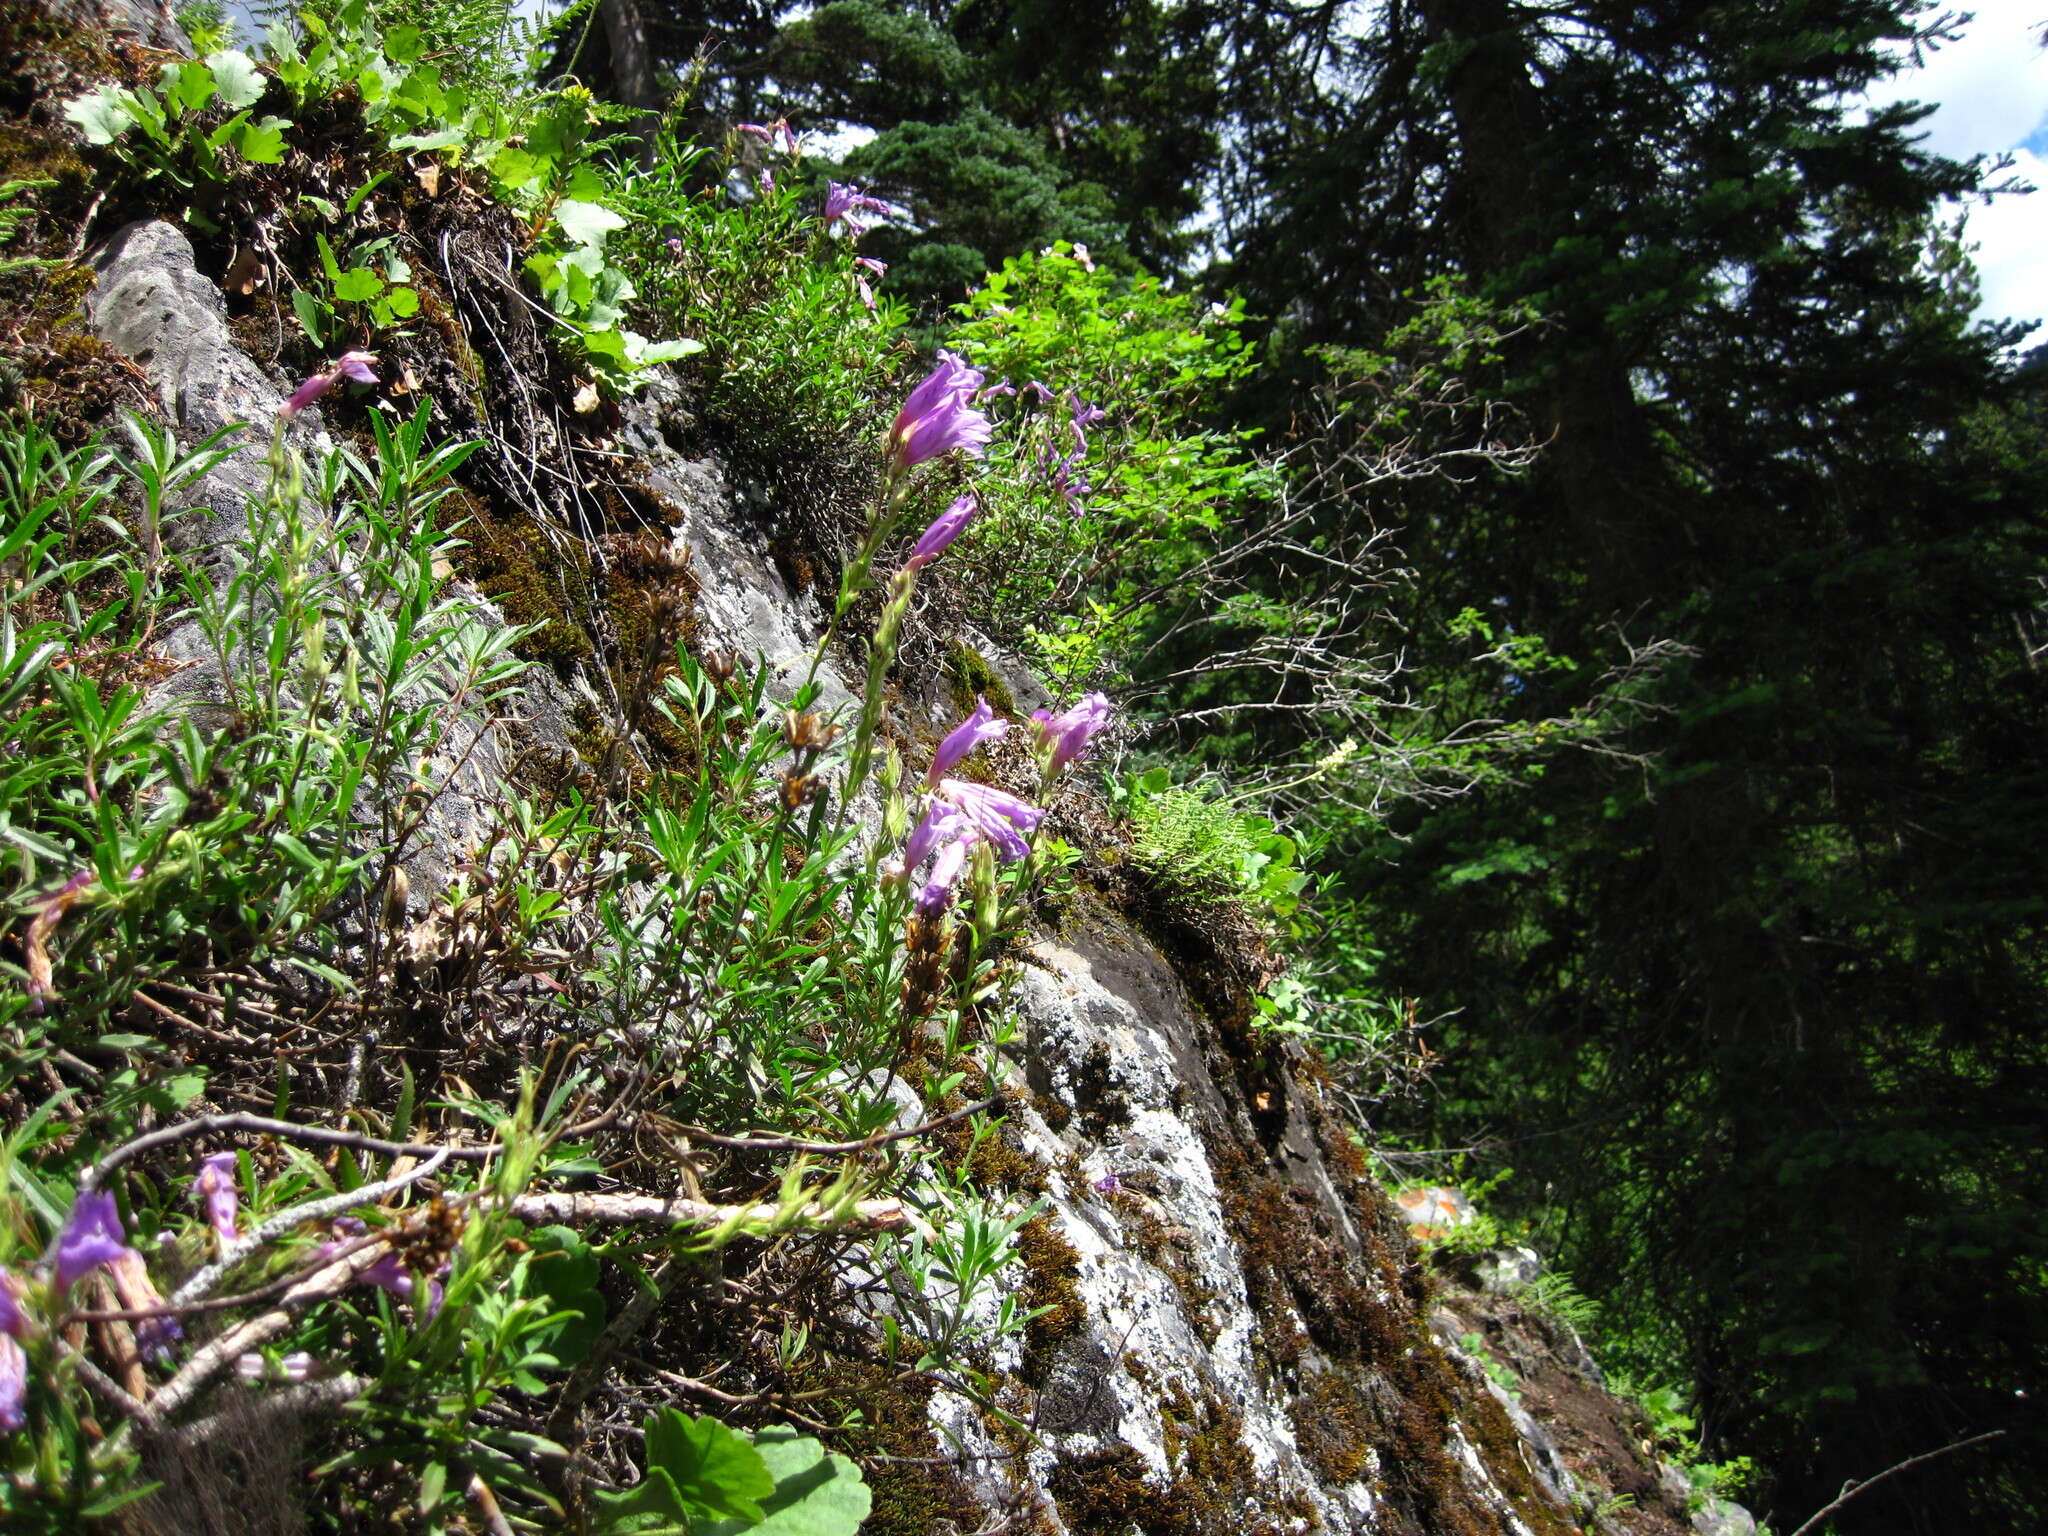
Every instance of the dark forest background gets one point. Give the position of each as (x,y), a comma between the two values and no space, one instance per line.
(1746,985)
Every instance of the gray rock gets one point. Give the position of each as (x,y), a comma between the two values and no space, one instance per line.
(743,604)
(1506,1270)
(1724,1517)
(150,21)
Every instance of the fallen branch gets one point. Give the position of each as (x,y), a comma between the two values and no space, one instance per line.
(673,1211)
(1851,1488)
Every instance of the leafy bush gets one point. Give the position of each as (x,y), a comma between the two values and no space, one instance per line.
(795,357)
(1109,495)
(452,85)
(213,882)
(1206,850)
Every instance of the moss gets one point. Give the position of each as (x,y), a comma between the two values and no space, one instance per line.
(1051,1271)
(968,675)
(1166,1249)
(915,1493)
(1214,1487)
(1327,1426)
(537,579)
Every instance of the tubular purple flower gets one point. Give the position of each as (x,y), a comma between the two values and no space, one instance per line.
(860,279)
(390,1274)
(216,1186)
(1083,417)
(945,528)
(154,1336)
(997,815)
(13,1385)
(351,365)
(845,204)
(939,416)
(941,824)
(1065,737)
(979,727)
(1070,488)
(90,1238)
(947,868)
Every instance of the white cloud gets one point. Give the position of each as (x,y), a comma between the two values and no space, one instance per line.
(2011,236)
(1991,87)
(1990,91)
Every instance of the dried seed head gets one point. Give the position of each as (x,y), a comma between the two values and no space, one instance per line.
(396,890)
(799,790)
(807,731)
(720,666)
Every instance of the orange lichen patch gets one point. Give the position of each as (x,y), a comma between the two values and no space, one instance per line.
(1433,1210)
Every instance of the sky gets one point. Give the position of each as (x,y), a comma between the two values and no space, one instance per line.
(1992,91)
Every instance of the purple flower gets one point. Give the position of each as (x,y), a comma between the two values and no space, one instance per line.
(847,204)
(10,1309)
(1000,817)
(979,727)
(91,1237)
(941,824)
(945,528)
(1108,1184)
(154,1336)
(353,365)
(939,416)
(1070,487)
(390,1274)
(216,1186)
(13,1384)
(1065,737)
(947,868)
(860,280)
(1083,417)
(768,133)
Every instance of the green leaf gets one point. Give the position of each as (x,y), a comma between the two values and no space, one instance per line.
(170,1095)
(586,223)
(433,1486)
(312,316)
(421,93)
(652,352)
(355,198)
(189,87)
(717,1474)
(262,142)
(651,1505)
(328,264)
(402,44)
(358,285)
(514,170)
(403,303)
(236,77)
(103,114)
(446,138)
(817,1492)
